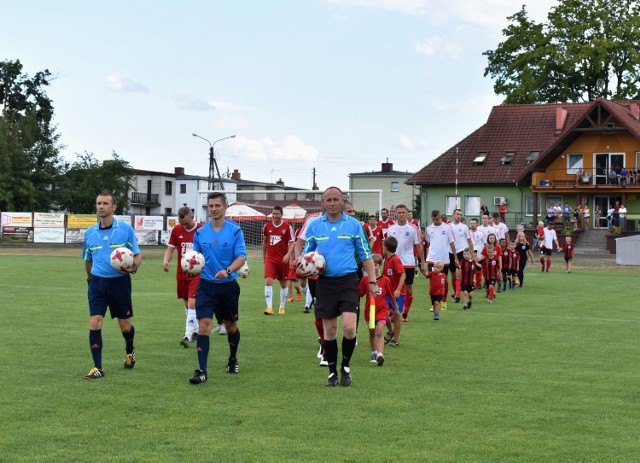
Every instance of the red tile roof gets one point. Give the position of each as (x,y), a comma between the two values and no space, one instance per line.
(518,129)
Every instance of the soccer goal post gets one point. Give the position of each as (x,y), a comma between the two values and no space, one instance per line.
(251,209)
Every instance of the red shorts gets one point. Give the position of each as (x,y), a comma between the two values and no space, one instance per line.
(187,288)
(276,271)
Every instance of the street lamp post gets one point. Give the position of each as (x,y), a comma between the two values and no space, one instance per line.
(213,165)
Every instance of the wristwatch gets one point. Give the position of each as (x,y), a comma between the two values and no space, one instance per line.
(228,271)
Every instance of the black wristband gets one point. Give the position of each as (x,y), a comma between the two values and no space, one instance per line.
(373,283)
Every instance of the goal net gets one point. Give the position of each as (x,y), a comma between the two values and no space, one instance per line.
(251,209)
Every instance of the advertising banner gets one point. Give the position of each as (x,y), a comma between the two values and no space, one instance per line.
(149,222)
(17,219)
(147,237)
(75,235)
(81,220)
(48,235)
(48,219)
(17,234)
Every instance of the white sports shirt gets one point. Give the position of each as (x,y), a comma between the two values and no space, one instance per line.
(439,237)
(407,236)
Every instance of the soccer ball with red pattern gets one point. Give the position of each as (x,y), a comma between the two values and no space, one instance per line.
(121,258)
(244,271)
(311,264)
(192,262)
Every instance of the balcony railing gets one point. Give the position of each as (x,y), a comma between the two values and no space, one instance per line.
(145,199)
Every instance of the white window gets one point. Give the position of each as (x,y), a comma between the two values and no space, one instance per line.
(507,158)
(528,206)
(453,203)
(637,160)
(574,163)
(555,200)
(532,156)
(480,158)
(472,206)
(395,186)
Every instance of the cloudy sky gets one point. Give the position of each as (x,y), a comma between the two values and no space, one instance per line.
(336,85)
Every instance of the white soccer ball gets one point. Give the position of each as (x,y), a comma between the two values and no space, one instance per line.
(244,271)
(311,264)
(192,262)
(121,258)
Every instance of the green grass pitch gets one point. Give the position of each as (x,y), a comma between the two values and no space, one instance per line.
(547,373)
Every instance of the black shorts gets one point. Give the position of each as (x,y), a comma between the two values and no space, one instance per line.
(568,259)
(452,260)
(436,298)
(220,299)
(488,283)
(410,273)
(114,293)
(546,252)
(336,295)
(467,288)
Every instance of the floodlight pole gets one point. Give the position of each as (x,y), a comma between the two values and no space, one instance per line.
(213,164)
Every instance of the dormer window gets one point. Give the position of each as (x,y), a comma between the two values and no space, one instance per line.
(507,158)
(532,156)
(480,158)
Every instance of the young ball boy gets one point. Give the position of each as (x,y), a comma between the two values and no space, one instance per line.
(384,294)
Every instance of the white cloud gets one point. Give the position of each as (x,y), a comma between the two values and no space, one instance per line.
(124,84)
(480,12)
(224,106)
(406,143)
(191,103)
(428,46)
(289,148)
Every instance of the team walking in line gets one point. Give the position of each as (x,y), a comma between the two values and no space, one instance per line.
(375,262)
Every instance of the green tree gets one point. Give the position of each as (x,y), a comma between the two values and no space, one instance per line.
(29,151)
(87,177)
(583,51)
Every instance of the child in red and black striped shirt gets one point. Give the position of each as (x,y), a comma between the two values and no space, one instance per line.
(492,272)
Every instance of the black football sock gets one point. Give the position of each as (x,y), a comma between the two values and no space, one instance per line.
(234,340)
(203,351)
(95,343)
(348,346)
(331,352)
(128,339)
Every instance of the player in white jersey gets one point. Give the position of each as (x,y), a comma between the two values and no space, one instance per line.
(479,241)
(550,237)
(502,231)
(462,241)
(407,236)
(487,226)
(439,235)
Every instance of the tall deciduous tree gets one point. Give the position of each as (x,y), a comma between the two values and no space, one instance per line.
(29,151)
(87,177)
(583,51)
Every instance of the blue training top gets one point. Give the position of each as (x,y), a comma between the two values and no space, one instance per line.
(338,242)
(219,249)
(98,245)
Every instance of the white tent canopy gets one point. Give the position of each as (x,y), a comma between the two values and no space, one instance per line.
(242,211)
(293,211)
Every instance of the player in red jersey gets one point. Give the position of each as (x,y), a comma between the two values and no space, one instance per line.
(277,246)
(395,272)
(375,237)
(567,248)
(383,298)
(492,272)
(181,238)
(385,222)
(504,263)
(437,285)
(467,278)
